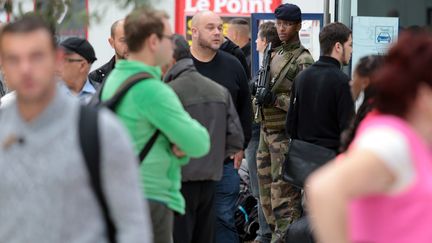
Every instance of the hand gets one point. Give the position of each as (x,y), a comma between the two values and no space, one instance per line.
(253,86)
(177,152)
(238,157)
(265,97)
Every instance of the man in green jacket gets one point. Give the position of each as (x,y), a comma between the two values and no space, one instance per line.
(151,105)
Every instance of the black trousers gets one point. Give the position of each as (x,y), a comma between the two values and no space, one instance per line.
(198,224)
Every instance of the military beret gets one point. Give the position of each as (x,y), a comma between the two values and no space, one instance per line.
(288,12)
(80,46)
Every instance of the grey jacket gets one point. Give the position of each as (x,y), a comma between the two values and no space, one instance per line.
(210,104)
(45,191)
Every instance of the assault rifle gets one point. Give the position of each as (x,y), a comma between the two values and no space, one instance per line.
(263,84)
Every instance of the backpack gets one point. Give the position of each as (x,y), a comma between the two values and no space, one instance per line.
(115,100)
(246,214)
(90,145)
(2,89)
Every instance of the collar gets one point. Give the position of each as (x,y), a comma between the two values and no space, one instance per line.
(112,62)
(154,71)
(330,60)
(290,46)
(87,88)
(246,49)
(58,107)
(181,66)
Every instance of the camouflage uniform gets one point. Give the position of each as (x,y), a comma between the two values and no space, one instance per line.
(281,202)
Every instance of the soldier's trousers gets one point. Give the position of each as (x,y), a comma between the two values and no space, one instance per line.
(280,201)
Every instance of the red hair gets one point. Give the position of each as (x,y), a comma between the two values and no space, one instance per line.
(407,65)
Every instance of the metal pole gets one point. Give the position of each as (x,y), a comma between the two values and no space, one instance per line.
(326,12)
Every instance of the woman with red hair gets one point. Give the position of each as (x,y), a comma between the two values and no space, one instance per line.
(381,190)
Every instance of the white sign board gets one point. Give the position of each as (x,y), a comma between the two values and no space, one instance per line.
(372,35)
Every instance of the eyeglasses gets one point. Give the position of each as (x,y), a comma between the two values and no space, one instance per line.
(169,37)
(74,60)
(285,24)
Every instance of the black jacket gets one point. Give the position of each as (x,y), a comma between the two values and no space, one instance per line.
(247,52)
(227,71)
(323,104)
(211,105)
(233,49)
(99,75)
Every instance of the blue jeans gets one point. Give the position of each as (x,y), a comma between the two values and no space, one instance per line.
(264,232)
(227,191)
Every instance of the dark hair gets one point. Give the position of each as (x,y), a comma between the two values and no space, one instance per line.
(407,66)
(366,67)
(181,49)
(28,23)
(331,34)
(141,24)
(268,31)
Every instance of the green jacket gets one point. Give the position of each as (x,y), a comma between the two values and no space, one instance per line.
(152,104)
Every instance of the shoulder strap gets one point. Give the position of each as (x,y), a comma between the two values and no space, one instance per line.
(90,146)
(148,146)
(118,95)
(296,54)
(123,89)
(292,115)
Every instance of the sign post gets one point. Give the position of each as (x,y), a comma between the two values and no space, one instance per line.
(372,35)
(227,9)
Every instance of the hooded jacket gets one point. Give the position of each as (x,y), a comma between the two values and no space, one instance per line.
(211,105)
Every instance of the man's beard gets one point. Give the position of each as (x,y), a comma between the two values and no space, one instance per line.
(344,62)
(206,45)
(120,56)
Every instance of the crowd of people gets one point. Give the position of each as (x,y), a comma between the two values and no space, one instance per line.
(147,147)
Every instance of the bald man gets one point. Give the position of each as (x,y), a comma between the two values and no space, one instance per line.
(226,70)
(117,42)
(239,32)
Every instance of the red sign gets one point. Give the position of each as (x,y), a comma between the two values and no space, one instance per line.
(227,8)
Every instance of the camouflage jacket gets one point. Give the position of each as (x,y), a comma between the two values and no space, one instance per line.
(287,61)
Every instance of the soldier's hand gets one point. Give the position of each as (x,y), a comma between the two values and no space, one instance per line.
(265,98)
(253,86)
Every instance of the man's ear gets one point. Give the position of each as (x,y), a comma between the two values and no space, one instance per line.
(84,66)
(152,42)
(60,55)
(298,26)
(366,83)
(194,31)
(338,47)
(111,41)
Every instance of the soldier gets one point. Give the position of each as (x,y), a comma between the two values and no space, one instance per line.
(281,202)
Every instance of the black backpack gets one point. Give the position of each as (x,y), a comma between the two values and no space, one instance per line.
(90,145)
(2,89)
